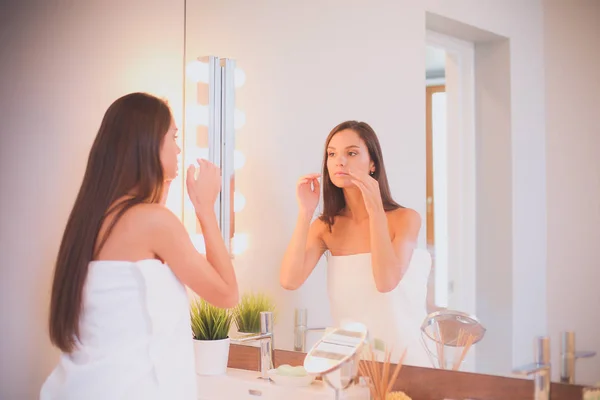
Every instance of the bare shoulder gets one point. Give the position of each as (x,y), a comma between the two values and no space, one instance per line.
(404,218)
(319,225)
(134,234)
(152,217)
(318,228)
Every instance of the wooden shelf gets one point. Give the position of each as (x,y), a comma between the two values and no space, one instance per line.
(427,383)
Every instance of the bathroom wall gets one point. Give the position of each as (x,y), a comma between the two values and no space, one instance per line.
(62,63)
(365,60)
(572,54)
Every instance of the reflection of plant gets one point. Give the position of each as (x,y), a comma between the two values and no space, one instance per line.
(209,322)
(379,379)
(247,313)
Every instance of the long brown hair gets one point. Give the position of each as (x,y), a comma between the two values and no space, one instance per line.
(333,197)
(124,161)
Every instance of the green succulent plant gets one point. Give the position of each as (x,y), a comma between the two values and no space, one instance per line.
(247,313)
(209,322)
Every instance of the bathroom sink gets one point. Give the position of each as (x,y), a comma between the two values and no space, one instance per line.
(239,384)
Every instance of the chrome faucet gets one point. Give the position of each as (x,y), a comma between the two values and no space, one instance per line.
(568,356)
(540,368)
(301,329)
(265,337)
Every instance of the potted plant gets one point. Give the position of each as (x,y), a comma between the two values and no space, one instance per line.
(210,326)
(247,313)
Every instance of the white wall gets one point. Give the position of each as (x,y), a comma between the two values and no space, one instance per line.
(494,206)
(572,54)
(366,60)
(62,64)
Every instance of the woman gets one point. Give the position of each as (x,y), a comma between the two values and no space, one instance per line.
(375,274)
(119,308)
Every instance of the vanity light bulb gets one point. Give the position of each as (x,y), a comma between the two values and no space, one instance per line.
(197,71)
(238,159)
(197,114)
(239,119)
(239,202)
(239,77)
(198,242)
(193,154)
(239,243)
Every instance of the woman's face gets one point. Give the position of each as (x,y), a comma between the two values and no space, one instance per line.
(169,153)
(347,152)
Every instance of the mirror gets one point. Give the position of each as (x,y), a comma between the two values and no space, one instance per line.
(418,96)
(298,85)
(210,123)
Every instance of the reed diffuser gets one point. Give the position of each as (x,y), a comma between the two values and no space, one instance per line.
(380,378)
(464,340)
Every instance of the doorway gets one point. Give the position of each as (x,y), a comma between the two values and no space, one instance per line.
(450,173)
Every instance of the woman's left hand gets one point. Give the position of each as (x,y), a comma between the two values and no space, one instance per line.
(369,187)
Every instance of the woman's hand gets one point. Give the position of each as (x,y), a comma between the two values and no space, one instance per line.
(369,187)
(308,191)
(203,187)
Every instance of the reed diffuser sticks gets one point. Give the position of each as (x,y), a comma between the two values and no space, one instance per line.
(380,381)
(464,340)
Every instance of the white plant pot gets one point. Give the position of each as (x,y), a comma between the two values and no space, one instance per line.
(211,356)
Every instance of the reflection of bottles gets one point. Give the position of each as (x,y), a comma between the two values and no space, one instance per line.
(300,322)
(239,243)
(300,338)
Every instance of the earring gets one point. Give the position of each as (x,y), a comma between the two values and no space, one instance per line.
(372,173)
